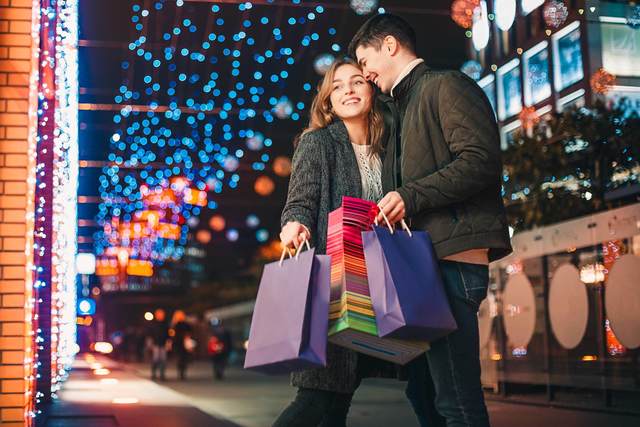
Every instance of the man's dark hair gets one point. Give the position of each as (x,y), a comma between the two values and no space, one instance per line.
(376,28)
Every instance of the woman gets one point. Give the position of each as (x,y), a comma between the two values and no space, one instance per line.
(337,155)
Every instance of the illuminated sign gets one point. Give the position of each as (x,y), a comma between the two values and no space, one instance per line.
(620,49)
(86,307)
(509,90)
(488,85)
(567,53)
(537,84)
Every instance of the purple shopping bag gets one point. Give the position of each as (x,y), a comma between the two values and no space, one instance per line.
(291,316)
(406,286)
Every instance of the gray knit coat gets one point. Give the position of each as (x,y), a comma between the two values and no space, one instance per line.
(325,168)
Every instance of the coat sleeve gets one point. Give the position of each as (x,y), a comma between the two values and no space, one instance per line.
(469,128)
(303,196)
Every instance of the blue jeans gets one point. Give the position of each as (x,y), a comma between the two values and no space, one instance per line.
(444,385)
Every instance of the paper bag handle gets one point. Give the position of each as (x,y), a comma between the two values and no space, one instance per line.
(391,230)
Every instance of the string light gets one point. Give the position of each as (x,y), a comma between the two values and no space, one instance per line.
(602,81)
(191,123)
(462,12)
(555,13)
(51,210)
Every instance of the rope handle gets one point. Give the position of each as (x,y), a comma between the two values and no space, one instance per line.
(391,229)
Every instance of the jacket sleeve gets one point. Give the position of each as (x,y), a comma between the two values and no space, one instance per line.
(470,130)
(303,196)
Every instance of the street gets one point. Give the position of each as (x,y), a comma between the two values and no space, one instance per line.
(125,396)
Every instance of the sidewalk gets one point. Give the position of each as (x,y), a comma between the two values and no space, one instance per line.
(124,396)
(102,393)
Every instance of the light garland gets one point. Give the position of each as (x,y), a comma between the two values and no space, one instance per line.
(52,187)
(65,188)
(203,112)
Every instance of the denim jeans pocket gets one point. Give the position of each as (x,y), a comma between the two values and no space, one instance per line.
(474,279)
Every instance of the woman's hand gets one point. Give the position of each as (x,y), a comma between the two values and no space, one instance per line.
(293,234)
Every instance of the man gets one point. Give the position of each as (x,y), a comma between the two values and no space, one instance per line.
(442,171)
(159,341)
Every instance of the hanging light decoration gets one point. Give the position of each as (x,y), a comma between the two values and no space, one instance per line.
(323,62)
(232,235)
(262,235)
(472,68)
(231,164)
(252,221)
(282,166)
(363,7)
(480,28)
(555,13)
(255,141)
(264,185)
(203,236)
(602,81)
(217,223)
(529,118)
(283,108)
(462,12)
(633,15)
(505,12)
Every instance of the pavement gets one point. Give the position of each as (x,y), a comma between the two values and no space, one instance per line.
(125,396)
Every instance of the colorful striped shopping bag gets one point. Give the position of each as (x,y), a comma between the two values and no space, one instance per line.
(352,322)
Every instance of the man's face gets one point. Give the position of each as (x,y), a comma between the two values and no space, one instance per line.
(377,66)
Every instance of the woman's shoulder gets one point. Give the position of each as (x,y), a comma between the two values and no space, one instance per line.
(323,138)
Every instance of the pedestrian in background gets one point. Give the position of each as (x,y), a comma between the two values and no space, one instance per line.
(158,337)
(183,343)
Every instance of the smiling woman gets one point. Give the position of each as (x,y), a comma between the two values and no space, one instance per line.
(337,155)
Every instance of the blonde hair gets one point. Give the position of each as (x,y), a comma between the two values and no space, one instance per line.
(321,114)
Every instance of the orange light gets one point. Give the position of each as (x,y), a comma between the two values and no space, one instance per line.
(264,185)
(203,236)
(138,267)
(106,267)
(496,357)
(589,358)
(84,321)
(282,166)
(195,197)
(179,183)
(217,223)
(168,231)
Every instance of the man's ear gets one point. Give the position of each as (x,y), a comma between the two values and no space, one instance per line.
(391,45)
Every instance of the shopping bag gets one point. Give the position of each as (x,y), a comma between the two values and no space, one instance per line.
(290,319)
(406,286)
(352,322)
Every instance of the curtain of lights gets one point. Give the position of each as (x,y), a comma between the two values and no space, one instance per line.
(203,89)
(53,181)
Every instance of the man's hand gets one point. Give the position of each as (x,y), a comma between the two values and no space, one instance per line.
(293,234)
(393,207)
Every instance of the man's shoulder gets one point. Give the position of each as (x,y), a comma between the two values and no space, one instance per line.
(445,77)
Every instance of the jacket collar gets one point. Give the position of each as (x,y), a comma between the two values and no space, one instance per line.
(403,88)
(407,69)
(338,131)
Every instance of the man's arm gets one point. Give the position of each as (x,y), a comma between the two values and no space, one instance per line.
(469,127)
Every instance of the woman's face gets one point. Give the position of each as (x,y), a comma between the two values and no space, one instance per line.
(351,95)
